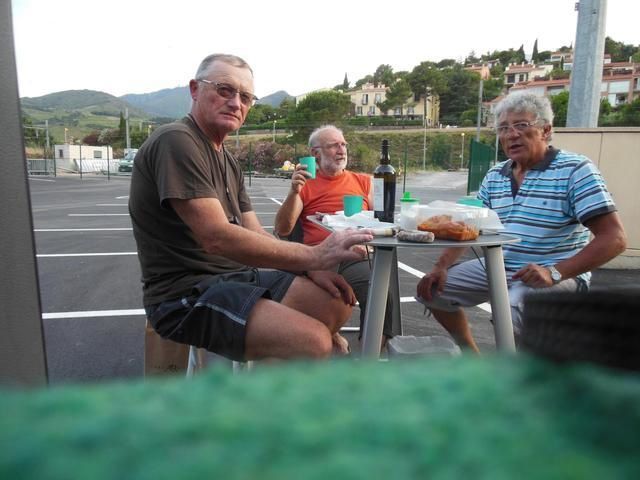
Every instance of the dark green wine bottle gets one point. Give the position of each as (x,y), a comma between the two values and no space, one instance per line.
(384,186)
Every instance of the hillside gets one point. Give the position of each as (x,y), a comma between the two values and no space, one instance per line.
(80,111)
(169,102)
(275,99)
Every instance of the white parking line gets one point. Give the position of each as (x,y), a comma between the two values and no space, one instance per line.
(94,313)
(98,214)
(417,273)
(100,254)
(40,179)
(80,229)
(139,311)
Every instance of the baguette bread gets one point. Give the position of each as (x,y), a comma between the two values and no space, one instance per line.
(444,228)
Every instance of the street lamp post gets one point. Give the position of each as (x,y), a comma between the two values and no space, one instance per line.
(462,153)
(274,131)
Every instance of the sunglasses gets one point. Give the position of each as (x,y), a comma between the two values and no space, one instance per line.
(227,91)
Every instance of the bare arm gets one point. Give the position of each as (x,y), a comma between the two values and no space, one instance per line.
(370,196)
(206,218)
(609,240)
(291,208)
(438,275)
(250,221)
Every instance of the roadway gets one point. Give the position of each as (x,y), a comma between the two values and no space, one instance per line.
(89,275)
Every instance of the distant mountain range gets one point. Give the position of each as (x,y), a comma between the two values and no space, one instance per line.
(169,103)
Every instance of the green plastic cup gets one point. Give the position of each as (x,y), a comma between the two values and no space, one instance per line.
(310,162)
(352,204)
(470,200)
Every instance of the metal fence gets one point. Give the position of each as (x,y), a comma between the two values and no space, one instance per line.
(480,158)
(41,166)
(46,166)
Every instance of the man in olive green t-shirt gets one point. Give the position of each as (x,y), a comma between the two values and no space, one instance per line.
(209,270)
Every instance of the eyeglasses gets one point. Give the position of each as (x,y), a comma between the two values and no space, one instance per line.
(334,146)
(227,91)
(518,127)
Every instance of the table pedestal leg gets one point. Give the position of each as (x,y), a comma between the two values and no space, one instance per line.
(394,291)
(376,302)
(499,297)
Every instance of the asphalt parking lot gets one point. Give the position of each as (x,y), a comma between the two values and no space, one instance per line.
(90,278)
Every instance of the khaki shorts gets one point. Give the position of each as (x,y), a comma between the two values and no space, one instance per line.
(467,286)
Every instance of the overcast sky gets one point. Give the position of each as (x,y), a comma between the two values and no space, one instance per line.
(140,46)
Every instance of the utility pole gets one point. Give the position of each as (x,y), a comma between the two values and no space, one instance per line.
(46,127)
(586,74)
(424,138)
(479,110)
(126,127)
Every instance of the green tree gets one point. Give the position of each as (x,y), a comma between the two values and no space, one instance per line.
(460,96)
(260,113)
(396,96)
(447,62)
(122,126)
(316,109)
(560,105)
(492,88)
(426,79)
(363,80)
(521,58)
(497,71)
(471,58)
(630,113)
(558,73)
(440,150)
(544,56)
(345,83)
(626,115)
(286,106)
(534,54)
(619,51)
(605,108)
(383,75)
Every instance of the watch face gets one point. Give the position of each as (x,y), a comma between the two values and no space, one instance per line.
(556,276)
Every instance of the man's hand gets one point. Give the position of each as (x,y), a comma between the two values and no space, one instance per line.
(333,283)
(437,278)
(534,276)
(336,248)
(299,178)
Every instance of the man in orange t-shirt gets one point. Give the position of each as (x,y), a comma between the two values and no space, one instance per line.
(324,194)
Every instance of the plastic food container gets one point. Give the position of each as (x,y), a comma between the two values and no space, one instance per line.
(408,211)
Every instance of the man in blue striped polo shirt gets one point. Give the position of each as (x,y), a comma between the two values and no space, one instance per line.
(552,200)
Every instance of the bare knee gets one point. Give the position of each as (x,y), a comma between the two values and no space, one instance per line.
(337,314)
(319,344)
(447,316)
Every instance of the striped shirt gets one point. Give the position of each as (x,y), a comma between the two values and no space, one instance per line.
(548,211)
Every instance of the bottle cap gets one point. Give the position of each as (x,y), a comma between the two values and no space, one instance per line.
(406,197)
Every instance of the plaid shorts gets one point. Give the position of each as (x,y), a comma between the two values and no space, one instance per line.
(214,315)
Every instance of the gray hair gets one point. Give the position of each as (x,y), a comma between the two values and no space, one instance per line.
(523,101)
(317,133)
(205,66)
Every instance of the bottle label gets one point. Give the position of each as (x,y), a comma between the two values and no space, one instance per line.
(378,194)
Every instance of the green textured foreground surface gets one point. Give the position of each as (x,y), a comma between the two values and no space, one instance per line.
(497,418)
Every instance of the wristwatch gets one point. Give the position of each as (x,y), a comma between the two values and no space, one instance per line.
(556,276)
